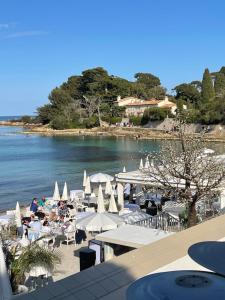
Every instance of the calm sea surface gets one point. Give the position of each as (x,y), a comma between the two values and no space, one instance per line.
(30,164)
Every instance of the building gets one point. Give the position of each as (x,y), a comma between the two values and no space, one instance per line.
(136,107)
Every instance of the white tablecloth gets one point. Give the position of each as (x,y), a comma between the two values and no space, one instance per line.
(5,219)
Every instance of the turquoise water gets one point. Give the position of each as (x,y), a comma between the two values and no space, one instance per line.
(30,164)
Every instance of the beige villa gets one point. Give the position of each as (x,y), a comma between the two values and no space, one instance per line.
(136,107)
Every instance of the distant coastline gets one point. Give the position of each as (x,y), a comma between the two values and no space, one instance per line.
(112,131)
(129,132)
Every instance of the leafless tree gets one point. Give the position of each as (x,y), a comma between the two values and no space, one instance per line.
(92,104)
(182,167)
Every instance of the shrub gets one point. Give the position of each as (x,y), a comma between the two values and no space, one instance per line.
(26,119)
(59,123)
(135,120)
(155,114)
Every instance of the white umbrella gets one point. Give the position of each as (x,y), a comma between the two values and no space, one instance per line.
(65,192)
(56,195)
(101,205)
(108,187)
(141,164)
(87,189)
(124,169)
(84,178)
(112,204)
(99,222)
(147,164)
(208,151)
(18,215)
(100,177)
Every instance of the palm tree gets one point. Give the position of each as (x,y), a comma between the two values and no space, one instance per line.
(31,256)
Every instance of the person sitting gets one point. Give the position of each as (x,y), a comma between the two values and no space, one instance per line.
(35,228)
(46,228)
(34,205)
(41,202)
(62,209)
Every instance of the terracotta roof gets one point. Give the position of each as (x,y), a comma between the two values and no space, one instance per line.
(144,103)
(168,105)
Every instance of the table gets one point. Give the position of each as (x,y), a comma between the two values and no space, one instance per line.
(5,220)
(209,255)
(178,285)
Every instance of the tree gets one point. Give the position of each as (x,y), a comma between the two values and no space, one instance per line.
(219,84)
(147,79)
(187,92)
(182,168)
(208,92)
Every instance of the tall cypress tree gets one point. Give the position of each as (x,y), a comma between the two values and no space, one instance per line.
(208,92)
(219,84)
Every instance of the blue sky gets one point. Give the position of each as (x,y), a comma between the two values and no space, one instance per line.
(44,42)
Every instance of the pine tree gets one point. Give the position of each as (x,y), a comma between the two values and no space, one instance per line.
(208,92)
(219,84)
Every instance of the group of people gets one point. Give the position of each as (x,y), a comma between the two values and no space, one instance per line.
(43,216)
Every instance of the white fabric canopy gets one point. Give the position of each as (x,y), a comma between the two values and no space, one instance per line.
(84,178)
(112,204)
(56,195)
(87,189)
(141,164)
(99,222)
(18,215)
(147,164)
(65,192)
(108,187)
(135,216)
(101,205)
(100,177)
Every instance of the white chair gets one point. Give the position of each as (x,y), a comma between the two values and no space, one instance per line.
(46,238)
(10,212)
(69,236)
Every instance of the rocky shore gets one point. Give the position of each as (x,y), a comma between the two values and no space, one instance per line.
(130,132)
(11,123)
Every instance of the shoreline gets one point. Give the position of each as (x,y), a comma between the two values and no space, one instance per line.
(137,133)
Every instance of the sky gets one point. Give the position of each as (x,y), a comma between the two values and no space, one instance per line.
(44,42)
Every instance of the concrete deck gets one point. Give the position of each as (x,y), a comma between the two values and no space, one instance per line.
(111,279)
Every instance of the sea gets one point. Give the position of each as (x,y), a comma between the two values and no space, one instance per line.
(30,164)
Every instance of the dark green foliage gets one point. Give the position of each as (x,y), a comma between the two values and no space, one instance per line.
(26,119)
(155,114)
(147,79)
(187,92)
(208,92)
(135,120)
(219,84)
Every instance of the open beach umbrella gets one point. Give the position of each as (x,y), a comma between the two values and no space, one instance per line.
(124,169)
(87,189)
(100,177)
(112,204)
(141,164)
(65,192)
(84,178)
(99,222)
(108,188)
(18,215)
(56,195)
(101,205)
